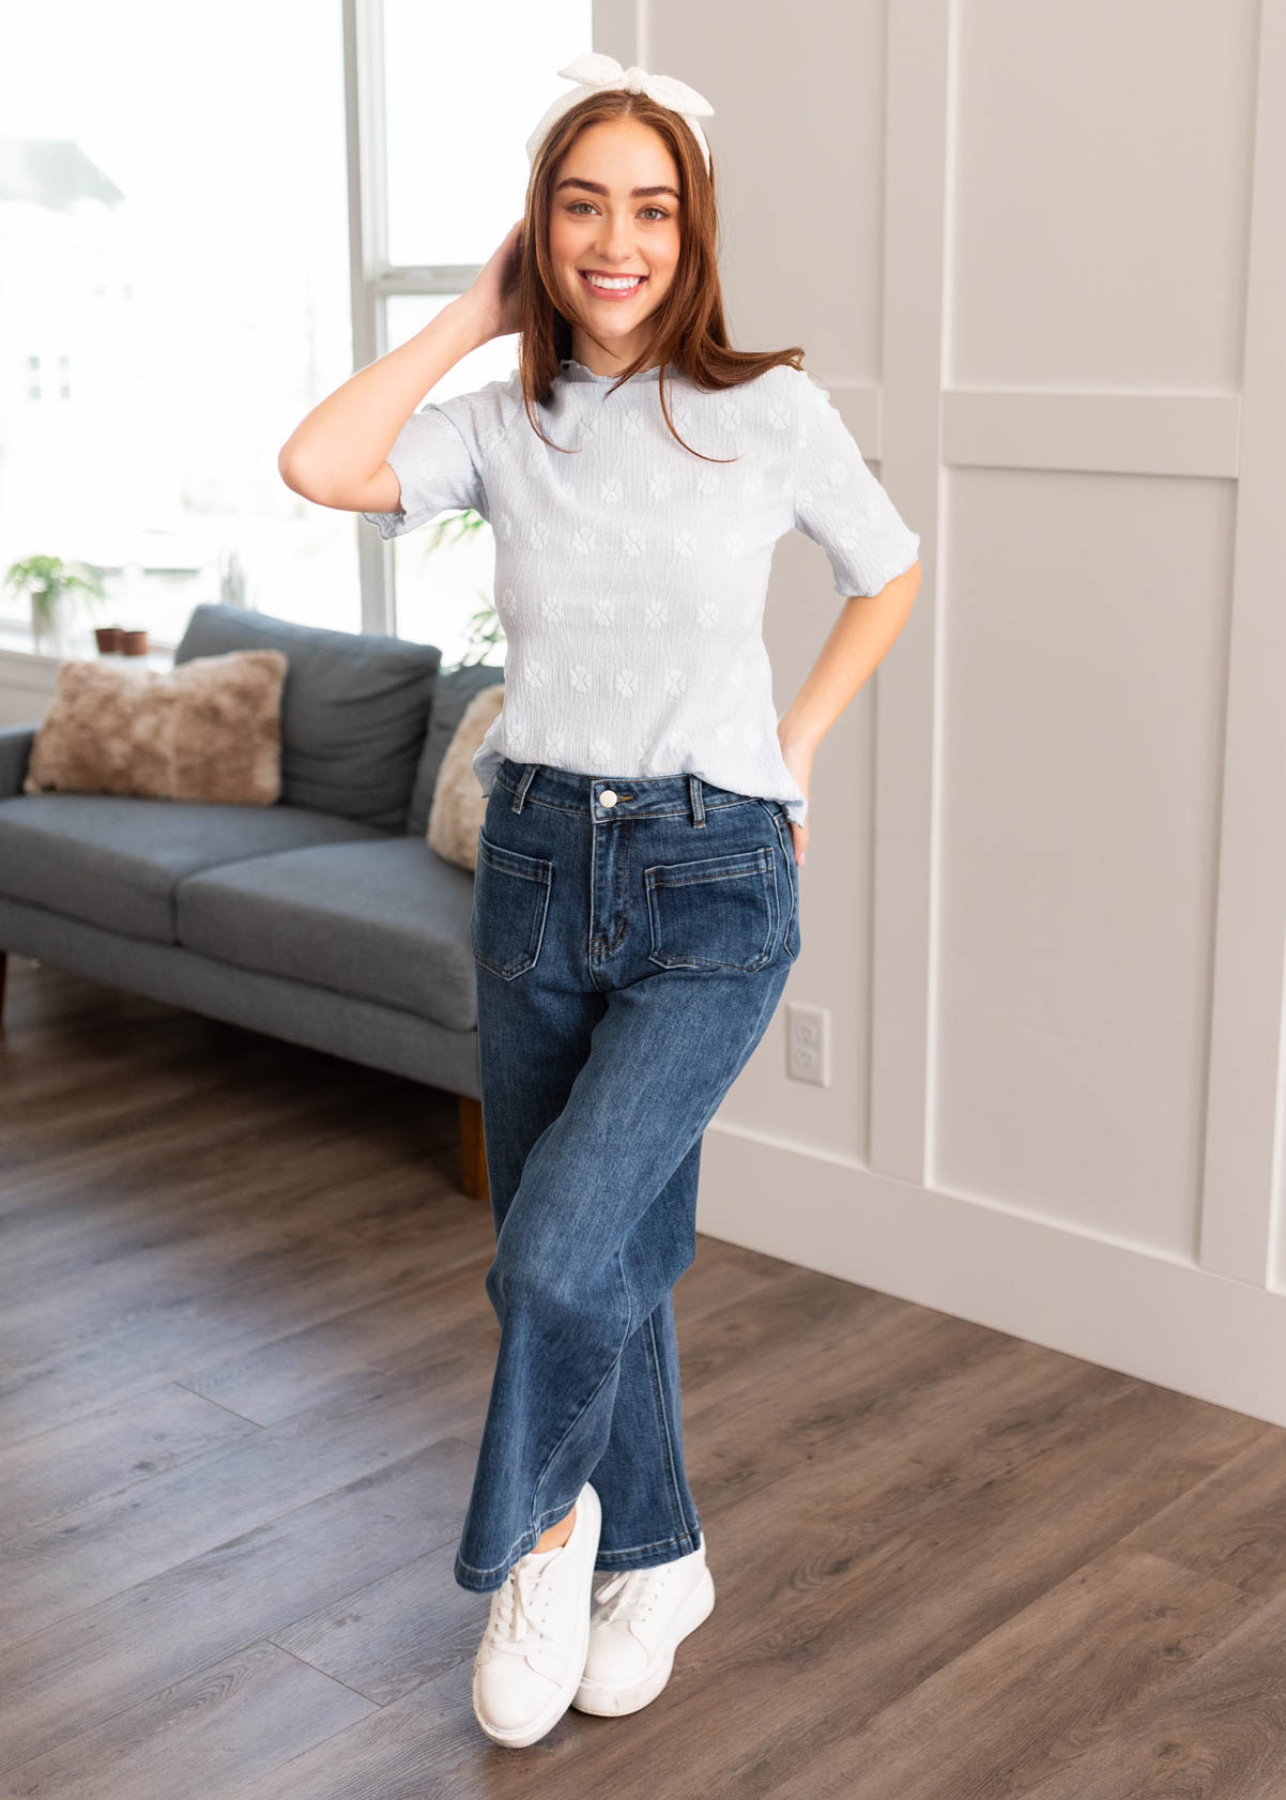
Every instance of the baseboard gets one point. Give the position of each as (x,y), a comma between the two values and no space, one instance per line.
(1124,1307)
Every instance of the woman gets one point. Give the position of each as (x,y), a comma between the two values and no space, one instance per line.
(636,901)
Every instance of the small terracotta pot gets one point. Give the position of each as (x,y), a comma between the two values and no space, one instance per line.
(109,639)
(133,643)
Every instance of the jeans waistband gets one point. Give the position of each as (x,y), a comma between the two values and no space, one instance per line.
(638,796)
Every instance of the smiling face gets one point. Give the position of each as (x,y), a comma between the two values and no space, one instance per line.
(614,214)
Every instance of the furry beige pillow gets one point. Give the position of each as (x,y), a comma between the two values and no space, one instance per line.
(459,805)
(209,729)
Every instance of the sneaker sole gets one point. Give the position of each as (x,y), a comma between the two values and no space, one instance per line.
(517,1737)
(610,1702)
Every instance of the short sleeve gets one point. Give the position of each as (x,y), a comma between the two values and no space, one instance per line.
(440,457)
(840,504)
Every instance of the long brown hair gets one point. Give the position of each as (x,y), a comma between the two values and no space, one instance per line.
(687,326)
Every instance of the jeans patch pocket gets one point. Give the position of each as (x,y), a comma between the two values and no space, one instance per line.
(715,912)
(510,905)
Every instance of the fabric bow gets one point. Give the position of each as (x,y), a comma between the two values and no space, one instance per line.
(595,71)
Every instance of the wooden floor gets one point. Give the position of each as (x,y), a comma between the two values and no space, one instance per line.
(245,1352)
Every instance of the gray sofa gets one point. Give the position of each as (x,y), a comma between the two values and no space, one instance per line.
(324,919)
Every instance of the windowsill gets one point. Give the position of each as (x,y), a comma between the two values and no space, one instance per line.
(17,642)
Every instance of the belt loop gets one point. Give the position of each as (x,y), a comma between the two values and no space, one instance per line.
(524,782)
(697,801)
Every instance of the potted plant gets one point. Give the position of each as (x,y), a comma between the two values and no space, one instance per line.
(56,589)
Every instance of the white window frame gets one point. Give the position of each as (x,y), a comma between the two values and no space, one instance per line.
(372,278)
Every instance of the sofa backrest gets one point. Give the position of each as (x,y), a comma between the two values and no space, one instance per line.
(354,709)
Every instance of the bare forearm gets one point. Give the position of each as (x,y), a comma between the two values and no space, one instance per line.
(342,442)
(860,639)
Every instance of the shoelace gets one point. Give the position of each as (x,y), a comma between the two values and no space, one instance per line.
(518,1618)
(630,1593)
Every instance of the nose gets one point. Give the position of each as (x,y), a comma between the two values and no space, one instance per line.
(616,241)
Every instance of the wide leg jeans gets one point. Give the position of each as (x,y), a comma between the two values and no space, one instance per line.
(631,940)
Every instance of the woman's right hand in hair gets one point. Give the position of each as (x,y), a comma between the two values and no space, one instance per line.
(493,293)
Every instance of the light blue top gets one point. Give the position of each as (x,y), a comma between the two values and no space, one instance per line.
(631,575)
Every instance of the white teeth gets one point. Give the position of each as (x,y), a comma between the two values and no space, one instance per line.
(613,281)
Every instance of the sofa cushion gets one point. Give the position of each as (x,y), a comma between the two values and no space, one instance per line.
(385,921)
(353,713)
(453,691)
(113,860)
(208,731)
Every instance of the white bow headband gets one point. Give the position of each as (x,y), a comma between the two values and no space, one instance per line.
(595,72)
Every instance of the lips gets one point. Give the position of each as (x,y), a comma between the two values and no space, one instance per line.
(610,293)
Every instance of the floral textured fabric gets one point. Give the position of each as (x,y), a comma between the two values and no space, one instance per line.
(631,575)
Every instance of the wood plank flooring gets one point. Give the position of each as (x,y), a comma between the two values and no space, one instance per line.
(245,1353)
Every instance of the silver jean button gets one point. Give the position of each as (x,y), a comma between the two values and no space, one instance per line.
(607,797)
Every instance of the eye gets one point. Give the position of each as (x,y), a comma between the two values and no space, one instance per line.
(658,210)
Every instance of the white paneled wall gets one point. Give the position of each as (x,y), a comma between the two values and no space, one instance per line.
(1038,256)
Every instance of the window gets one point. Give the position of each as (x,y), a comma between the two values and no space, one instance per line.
(454,147)
(444,573)
(177,290)
(173,248)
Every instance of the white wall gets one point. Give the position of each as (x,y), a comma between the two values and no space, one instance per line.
(1038,256)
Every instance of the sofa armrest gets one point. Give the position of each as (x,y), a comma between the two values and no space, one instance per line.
(15,753)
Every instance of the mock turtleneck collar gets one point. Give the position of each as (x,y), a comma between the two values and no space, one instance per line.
(577,371)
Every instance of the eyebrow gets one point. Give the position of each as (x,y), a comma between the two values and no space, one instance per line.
(596,187)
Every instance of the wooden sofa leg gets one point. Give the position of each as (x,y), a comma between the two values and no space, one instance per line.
(4,970)
(473,1150)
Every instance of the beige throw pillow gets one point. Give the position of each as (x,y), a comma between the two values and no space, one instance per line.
(209,729)
(459,805)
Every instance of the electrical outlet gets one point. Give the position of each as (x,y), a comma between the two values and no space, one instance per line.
(808,1044)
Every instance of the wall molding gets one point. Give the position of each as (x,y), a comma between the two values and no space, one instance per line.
(907,687)
(1099,433)
(1152,1316)
(1241,1225)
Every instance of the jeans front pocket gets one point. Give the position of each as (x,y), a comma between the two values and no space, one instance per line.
(714,912)
(510,905)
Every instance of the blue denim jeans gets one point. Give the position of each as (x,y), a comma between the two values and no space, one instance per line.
(631,940)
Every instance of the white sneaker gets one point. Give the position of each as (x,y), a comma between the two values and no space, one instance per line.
(533,1650)
(639,1618)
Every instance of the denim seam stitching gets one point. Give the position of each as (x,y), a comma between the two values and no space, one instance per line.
(553,1513)
(603,1555)
(660,1544)
(783,834)
(658,1397)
